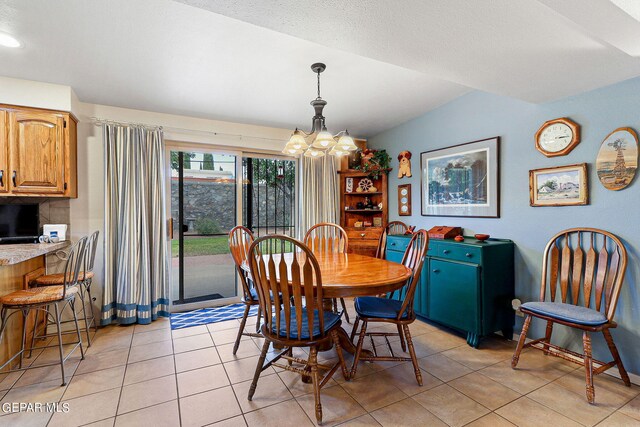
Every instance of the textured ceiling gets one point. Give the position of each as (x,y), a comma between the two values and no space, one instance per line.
(248,61)
(164,56)
(532,50)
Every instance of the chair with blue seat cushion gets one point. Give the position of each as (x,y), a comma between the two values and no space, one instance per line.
(395,311)
(240,238)
(327,237)
(587,266)
(379,307)
(289,284)
(330,320)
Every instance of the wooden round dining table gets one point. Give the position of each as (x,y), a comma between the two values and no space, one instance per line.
(353,275)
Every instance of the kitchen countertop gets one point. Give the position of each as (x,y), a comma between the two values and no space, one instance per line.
(17,253)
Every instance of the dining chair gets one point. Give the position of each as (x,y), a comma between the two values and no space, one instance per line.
(393,228)
(396,227)
(85,278)
(396,308)
(240,239)
(589,265)
(52,301)
(285,271)
(327,237)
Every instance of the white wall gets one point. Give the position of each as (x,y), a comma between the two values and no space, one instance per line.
(28,93)
(87,211)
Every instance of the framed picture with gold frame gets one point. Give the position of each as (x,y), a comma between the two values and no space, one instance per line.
(559,186)
(404,200)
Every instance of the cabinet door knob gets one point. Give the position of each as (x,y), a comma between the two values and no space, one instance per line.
(14,178)
(362,234)
(435,270)
(1,178)
(446,251)
(468,255)
(393,244)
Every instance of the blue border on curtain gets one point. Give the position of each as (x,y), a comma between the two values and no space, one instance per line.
(139,309)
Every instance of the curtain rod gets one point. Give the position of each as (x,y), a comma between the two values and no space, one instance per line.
(99,122)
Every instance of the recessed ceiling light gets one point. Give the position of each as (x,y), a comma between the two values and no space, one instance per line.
(7,40)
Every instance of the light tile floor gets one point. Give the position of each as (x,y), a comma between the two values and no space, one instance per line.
(149,375)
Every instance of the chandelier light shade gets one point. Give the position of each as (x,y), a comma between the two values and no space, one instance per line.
(337,150)
(323,141)
(297,141)
(312,152)
(346,142)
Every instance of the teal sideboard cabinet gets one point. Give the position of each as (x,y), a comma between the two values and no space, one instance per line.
(465,285)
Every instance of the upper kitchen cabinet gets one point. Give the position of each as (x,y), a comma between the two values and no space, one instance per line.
(4,153)
(41,148)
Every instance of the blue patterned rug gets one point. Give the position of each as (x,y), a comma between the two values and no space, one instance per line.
(209,315)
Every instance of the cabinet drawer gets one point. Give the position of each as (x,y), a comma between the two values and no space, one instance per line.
(356,235)
(458,253)
(397,243)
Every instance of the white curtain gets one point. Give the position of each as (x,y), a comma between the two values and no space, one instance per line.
(136,259)
(320,201)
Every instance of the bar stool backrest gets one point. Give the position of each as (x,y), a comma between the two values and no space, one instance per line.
(75,260)
(90,252)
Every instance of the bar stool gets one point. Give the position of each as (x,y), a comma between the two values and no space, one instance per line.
(41,299)
(85,277)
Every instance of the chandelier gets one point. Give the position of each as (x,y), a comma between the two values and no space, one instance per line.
(323,141)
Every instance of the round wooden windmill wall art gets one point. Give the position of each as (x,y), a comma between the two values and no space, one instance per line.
(617,160)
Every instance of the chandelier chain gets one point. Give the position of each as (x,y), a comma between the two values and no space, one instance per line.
(318,83)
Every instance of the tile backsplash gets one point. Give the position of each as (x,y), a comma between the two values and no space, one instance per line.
(52,210)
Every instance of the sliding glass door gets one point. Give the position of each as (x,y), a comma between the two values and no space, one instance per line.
(204,207)
(206,201)
(269,195)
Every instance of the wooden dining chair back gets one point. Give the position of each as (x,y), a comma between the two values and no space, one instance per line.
(396,308)
(396,227)
(413,259)
(582,273)
(382,245)
(325,238)
(392,229)
(289,284)
(240,239)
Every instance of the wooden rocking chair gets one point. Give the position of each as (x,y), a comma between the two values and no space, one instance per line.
(590,283)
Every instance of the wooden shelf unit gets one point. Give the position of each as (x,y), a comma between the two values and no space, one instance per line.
(363,240)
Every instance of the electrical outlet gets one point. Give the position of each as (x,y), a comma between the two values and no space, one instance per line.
(515,304)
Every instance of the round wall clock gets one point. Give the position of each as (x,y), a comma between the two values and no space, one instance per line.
(557,137)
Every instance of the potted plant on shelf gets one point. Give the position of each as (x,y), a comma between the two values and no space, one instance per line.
(374,162)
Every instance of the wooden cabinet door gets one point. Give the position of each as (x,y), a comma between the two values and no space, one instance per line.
(4,150)
(36,147)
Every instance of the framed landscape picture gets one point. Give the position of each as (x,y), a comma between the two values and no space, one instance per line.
(559,186)
(617,160)
(462,180)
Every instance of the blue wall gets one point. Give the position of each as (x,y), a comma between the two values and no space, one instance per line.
(479,115)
